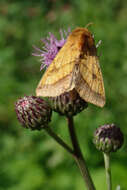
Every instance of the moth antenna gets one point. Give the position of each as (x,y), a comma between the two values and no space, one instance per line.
(98,43)
(89,24)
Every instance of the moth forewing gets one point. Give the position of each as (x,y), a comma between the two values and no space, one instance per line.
(56,81)
(56,89)
(90,86)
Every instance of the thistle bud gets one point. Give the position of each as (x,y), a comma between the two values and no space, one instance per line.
(33,112)
(68,104)
(108,138)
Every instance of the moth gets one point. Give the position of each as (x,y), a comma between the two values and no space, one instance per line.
(76,66)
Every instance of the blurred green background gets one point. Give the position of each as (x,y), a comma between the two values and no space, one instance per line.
(32,160)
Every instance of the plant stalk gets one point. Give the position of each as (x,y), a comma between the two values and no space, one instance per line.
(79,157)
(59,140)
(108,170)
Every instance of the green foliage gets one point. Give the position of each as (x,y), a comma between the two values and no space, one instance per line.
(31,160)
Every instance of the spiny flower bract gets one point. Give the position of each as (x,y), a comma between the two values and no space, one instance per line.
(108,138)
(33,112)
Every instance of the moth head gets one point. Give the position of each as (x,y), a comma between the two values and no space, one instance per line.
(81,37)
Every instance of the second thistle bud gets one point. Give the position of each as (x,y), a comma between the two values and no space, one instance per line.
(108,138)
(33,112)
(68,104)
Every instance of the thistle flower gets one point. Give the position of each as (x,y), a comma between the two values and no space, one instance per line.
(68,104)
(50,48)
(108,138)
(33,112)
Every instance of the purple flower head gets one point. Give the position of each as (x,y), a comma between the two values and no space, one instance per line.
(51,48)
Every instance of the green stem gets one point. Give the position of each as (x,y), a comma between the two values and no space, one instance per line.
(79,157)
(59,140)
(108,170)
